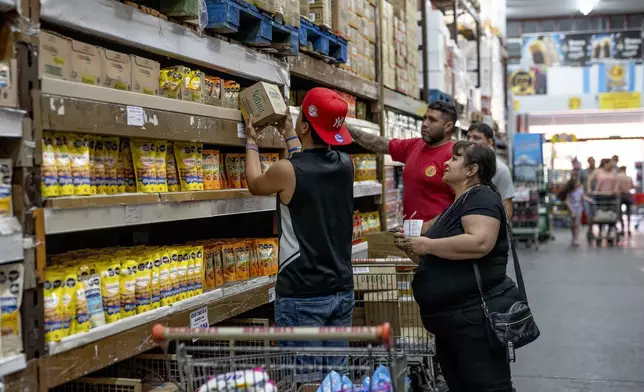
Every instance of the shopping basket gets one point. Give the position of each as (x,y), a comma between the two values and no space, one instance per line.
(208,368)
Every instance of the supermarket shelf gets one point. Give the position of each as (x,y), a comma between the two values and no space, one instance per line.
(12,364)
(73,107)
(311,68)
(11,120)
(404,103)
(367,188)
(81,354)
(126,25)
(358,249)
(11,241)
(79,213)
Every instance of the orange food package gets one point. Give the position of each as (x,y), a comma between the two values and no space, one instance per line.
(254,261)
(208,180)
(233,170)
(242,259)
(229,262)
(218,263)
(209,266)
(242,170)
(266,256)
(223,175)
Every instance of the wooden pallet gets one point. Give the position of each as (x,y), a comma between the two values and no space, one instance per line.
(246,23)
(146,10)
(321,42)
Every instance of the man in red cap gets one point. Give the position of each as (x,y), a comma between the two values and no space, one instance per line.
(314,187)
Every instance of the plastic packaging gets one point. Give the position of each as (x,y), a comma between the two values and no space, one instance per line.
(161,166)
(48,170)
(126,165)
(143,290)
(171,170)
(198,275)
(155,283)
(111,163)
(70,278)
(241,380)
(53,304)
(92,286)
(11,285)
(144,158)
(128,287)
(65,183)
(242,260)
(96,156)
(111,289)
(331,383)
(228,259)
(78,146)
(165,284)
(186,158)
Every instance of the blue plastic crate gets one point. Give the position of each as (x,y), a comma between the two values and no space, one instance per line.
(322,41)
(437,95)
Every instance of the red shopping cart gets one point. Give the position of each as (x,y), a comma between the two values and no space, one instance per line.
(269,366)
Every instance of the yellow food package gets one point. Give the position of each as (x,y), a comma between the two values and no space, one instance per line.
(193,85)
(161,166)
(128,287)
(111,289)
(233,170)
(165,283)
(63,164)
(242,260)
(182,275)
(111,163)
(143,290)
(266,255)
(6,172)
(170,81)
(11,287)
(190,275)
(48,170)
(53,304)
(70,280)
(155,283)
(229,262)
(208,170)
(199,270)
(171,170)
(81,321)
(78,147)
(254,261)
(126,165)
(209,267)
(144,159)
(173,253)
(186,158)
(218,263)
(97,167)
(199,158)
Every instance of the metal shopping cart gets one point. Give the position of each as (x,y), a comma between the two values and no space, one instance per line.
(204,367)
(605,212)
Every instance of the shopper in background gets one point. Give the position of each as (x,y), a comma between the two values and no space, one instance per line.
(482,133)
(426,195)
(605,178)
(573,195)
(315,192)
(625,184)
(473,229)
(615,160)
(586,179)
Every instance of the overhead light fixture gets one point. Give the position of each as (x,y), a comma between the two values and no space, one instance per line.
(586,6)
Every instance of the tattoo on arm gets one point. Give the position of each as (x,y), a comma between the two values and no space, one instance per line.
(370,142)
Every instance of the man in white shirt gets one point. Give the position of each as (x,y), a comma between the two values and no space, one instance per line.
(482,133)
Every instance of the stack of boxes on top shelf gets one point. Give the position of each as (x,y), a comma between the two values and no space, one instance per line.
(400,47)
(354,20)
(438,54)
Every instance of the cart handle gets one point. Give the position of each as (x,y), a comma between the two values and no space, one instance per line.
(380,334)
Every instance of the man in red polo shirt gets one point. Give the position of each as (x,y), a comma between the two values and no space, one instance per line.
(425,194)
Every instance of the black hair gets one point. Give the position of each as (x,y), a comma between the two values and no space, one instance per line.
(485,129)
(447,109)
(317,140)
(482,156)
(567,188)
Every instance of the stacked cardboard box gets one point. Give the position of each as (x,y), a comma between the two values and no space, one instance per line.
(355,21)
(388,47)
(402,15)
(289,10)
(440,77)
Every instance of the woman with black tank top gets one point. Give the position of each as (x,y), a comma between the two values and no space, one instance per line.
(472,229)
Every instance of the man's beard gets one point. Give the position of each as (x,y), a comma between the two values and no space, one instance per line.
(433,138)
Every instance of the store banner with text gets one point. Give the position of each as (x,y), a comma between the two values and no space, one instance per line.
(620,100)
(528,81)
(574,49)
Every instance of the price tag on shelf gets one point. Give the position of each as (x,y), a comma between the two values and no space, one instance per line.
(241,130)
(199,319)
(135,116)
(132,214)
(250,204)
(271,294)
(360,270)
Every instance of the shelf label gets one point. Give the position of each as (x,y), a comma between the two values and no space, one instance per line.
(199,319)
(360,270)
(135,116)
(250,204)
(132,214)
(241,130)
(271,294)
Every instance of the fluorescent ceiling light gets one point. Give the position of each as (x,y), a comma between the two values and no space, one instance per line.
(586,6)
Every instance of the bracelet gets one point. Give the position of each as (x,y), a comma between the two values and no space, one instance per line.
(291,150)
(288,139)
(252,146)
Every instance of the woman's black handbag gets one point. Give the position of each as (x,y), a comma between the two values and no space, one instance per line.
(516,327)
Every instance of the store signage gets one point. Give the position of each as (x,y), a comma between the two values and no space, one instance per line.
(528,149)
(532,81)
(552,49)
(620,100)
(574,103)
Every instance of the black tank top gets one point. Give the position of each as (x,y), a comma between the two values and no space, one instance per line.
(316,226)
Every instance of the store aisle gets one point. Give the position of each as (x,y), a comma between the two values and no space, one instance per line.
(589,304)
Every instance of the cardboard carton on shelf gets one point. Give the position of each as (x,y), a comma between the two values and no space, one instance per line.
(9,79)
(320,14)
(292,16)
(305,8)
(116,69)
(54,55)
(264,101)
(340,15)
(382,307)
(85,63)
(145,75)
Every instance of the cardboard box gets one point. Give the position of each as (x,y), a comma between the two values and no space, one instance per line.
(116,70)
(145,75)
(305,8)
(9,83)
(409,312)
(340,17)
(54,56)
(382,307)
(264,101)
(321,15)
(370,278)
(85,63)
(381,245)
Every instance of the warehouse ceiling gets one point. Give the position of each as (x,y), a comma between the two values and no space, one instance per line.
(527,9)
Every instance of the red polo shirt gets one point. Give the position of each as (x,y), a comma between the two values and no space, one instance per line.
(425,193)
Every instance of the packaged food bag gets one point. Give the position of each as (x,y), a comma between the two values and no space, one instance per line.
(144,158)
(48,170)
(229,262)
(126,166)
(78,147)
(171,170)
(10,302)
(111,289)
(63,164)
(128,287)
(186,158)
(53,304)
(111,164)
(96,156)
(161,166)
(242,260)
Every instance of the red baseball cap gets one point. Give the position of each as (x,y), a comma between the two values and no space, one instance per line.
(326,111)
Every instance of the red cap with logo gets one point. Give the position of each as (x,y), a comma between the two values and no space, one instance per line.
(326,111)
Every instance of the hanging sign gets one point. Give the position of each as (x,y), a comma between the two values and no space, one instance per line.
(620,100)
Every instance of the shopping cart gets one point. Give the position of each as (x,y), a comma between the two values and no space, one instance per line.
(207,368)
(605,211)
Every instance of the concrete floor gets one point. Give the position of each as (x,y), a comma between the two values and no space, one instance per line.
(589,305)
